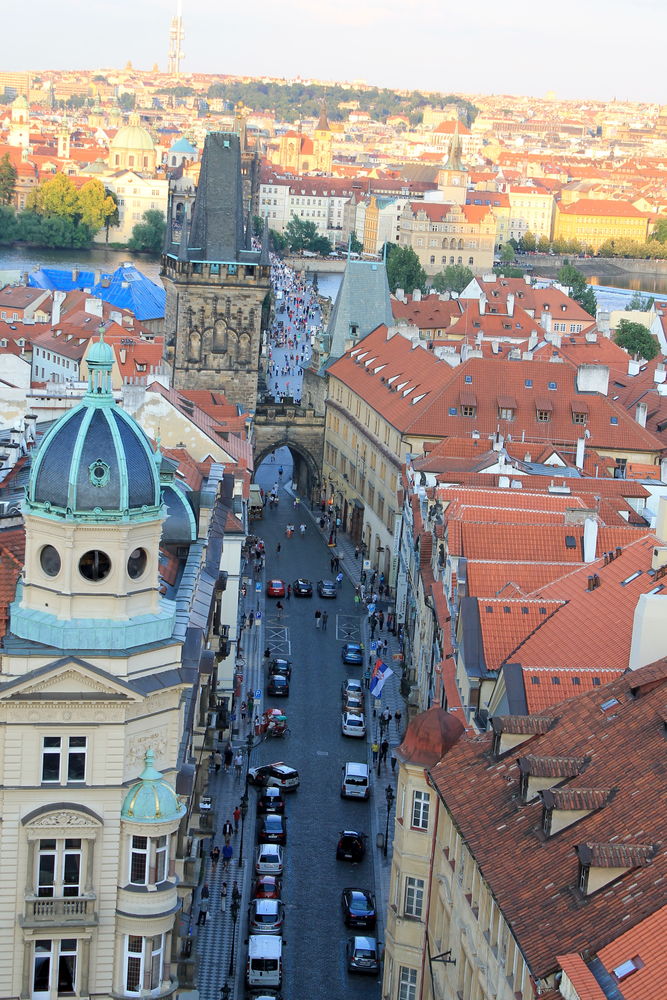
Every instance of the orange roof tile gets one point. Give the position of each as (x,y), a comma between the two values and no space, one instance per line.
(645,941)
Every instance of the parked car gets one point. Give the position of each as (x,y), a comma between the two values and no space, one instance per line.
(351,686)
(266,916)
(269,860)
(353,652)
(275,588)
(267,887)
(363,955)
(270,801)
(327,588)
(358,906)
(354,702)
(271,829)
(353,724)
(279,665)
(279,774)
(278,685)
(302,588)
(351,845)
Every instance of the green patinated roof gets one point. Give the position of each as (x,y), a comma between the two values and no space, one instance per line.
(362,302)
(152,799)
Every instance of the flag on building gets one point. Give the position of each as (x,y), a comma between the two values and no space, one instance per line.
(380,674)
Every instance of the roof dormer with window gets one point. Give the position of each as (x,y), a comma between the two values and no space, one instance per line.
(562,807)
(601,864)
(538,773)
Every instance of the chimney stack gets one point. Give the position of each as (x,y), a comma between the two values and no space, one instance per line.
(581,449)
(590,539)
(634,367)
(510,304)
(641,412)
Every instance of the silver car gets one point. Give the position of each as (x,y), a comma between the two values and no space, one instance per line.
(269,860)
(266,916)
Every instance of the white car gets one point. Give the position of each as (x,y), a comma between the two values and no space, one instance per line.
(277,775)
(269,860)
(353,724)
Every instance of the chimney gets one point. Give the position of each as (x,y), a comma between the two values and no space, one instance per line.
(581,449)
(634,367)
(663,470)
(593,378)
(591,338)
(510,304)
(58,299)
(417,295)
(545,321)
(641,412)
(659,374)
(400,295)
(649,638)
(590,539)
(532,340)
(659,558)
(482,304)
(661,521)
(94,306)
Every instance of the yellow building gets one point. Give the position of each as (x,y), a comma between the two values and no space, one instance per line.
(593,222)
(299,154)
(531,211)
(442,234)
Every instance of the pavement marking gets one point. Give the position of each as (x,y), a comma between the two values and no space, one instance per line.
(347,627)
(322,753)
(277,636)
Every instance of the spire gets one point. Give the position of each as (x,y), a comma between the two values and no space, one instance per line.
(264,256)
(183,245)
(100,359)
(217,231)
(323,123)
(167,229)
(454,158)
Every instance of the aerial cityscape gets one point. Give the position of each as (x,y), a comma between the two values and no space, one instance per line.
(333,504)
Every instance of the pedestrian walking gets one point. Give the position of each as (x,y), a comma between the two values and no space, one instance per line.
(223,897)
(205,891)
(278,551)
(244,711)
(318,618)
(375,749)
(393,763)
(227,828)
(381,620)
(339,581)
(229,755)
(251,705)
(325,619)
(302,530)
(356,551)
(279,609)
(386,716)
(215,857)
(238,763)
(398,715)
(227,855)
(384,750)
(251,619)
(289,591)
(367,677)
(203,912)
(237,818)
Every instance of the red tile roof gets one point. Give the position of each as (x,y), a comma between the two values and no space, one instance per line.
(645,941)
(598,207)
(534,880)
(544,686)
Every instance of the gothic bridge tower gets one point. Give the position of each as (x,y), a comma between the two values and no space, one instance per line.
(216,283)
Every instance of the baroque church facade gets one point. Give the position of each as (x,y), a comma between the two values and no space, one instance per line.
(94,696)
(216,282)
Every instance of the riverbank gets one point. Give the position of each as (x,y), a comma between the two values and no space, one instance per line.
(97,258)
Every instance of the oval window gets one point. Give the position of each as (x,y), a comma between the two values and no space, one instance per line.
(49,560)
(136,564)
(94,565)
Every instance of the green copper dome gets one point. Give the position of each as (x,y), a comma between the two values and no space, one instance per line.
(152,799)
(96,462)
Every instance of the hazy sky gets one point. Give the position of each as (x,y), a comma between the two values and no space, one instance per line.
(576,48)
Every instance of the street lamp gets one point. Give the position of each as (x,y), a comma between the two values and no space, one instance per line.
(244,810)
(235,907)
(389,792)
(225,992)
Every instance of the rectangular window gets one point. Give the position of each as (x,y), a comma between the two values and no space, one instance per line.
(161,858)
(51,758)
(139,861)
(505,413)
(54,968)
(407,984)
(468,411)
(59,868)
(420,807)
(579,418)
(414,897)
(133,963)
(544,416)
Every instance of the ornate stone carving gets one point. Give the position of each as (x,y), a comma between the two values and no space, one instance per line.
(155,741)
(62,818)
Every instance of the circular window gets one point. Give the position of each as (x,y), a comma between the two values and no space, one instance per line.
(136,564)
(49,560)
(94,565)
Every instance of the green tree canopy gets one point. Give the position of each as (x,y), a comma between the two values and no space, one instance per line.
(508,253)
(452,279)
(302,234)
(543,244)
(636,340)
(660,231)
(95,206)
(356,246)
(7,180)
(9,227)
(404,270)
(642,303)
(148,235)
(582,293)
(57,196)
(528,241)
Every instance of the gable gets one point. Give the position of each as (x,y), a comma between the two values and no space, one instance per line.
(67,680)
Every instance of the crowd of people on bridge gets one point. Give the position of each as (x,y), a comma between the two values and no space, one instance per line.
(296,323)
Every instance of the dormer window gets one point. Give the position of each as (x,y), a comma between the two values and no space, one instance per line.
(543,416)
(601,864)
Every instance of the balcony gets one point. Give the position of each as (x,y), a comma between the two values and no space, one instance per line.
(66,911)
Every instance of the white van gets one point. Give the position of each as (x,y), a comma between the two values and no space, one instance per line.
(265,961)
(356,783)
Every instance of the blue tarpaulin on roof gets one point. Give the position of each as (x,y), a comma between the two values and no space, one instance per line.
(125,288)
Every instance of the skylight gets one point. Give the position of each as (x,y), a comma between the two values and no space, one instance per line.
(379,369)
(629,579)
(418,398)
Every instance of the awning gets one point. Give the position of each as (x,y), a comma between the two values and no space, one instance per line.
(467,398)
(507,403)
(579,406)
(544,403)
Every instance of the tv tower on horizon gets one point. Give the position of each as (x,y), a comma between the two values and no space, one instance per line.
(176,36)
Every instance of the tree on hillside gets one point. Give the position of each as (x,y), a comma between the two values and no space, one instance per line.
(452,279)
(7,180)
(95,206)
(581,292)
(148,235)
(636,340)
(404,270)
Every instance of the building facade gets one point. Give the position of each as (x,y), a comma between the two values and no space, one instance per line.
(443,234)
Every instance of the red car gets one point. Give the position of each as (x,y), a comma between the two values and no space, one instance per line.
(275,588)
(267,887)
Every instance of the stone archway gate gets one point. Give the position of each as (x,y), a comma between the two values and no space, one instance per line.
(302,431)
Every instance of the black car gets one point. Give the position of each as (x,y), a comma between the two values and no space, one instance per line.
(352,652)
(278,686)
(351,845)
(358,907)
(272,829)
(280,665)
(327,588)
(302,588)
(270,801)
